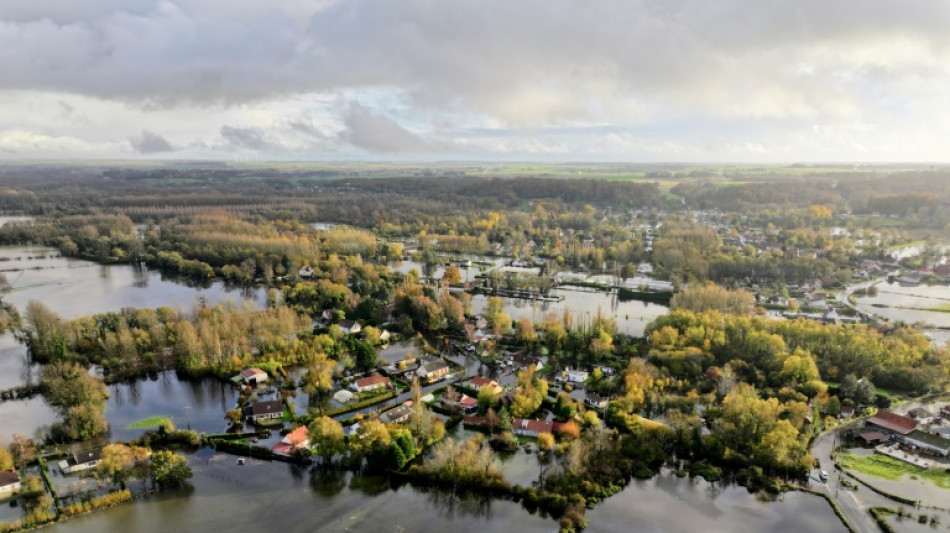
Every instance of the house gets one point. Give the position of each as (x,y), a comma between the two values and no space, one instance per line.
(349,327)
(433,370)
(251,376)
(478,382)
(891,423)
(531,428)
(576,376)
(264,410)
(328,315)
(397,415)
(9,482)
(934,444)
(79,461)
(371,383)
(595,400)
(846,411)
(385,336)
(298,439)
(466,404)
(305,272)
(343,396)
(524,361)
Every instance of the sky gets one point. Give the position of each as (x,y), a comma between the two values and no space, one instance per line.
(432,80)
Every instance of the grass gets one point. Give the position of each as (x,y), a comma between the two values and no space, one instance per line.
(150,422)
(889,468)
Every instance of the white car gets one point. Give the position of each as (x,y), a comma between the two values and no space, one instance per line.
(823,476)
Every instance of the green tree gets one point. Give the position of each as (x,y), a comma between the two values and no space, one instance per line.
(169,469)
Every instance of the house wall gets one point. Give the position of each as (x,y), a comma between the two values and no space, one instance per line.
(14,487)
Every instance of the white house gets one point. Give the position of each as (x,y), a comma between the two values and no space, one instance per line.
(251,376)
(370,383)
(79,461)
(349,327)
(576,376)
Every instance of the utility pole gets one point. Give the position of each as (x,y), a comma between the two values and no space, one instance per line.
(187,418)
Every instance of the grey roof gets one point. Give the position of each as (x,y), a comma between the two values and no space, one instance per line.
(85,456)
(434,364)
(395,414)
(930,440)
(266,407)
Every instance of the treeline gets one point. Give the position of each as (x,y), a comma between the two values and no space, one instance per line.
(763,352)
(215,339)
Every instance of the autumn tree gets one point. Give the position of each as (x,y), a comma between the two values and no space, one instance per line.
(699,298)
(326,435)
(23,451)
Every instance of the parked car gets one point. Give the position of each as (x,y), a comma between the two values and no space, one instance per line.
(823,476)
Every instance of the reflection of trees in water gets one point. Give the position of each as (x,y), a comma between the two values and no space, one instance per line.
(370,484)
(450,504)
(139,276)
(328,482)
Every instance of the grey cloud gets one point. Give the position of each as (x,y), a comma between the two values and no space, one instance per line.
(150,142)
(246,138)
(533,62)
(378,133)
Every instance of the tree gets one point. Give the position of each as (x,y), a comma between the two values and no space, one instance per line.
(865,392)
(545,442)
(487,397)
(849,386)
(452,275)
(116,463)
(319,376)
(326,435)
(833,406)
(525,333)
(169,469)
(6,460)
(699,298)
(23,451)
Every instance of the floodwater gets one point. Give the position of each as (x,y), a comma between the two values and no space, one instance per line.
(73,288)
(632,316)
(909,304)
(287,498)
(667,503)
(199,403)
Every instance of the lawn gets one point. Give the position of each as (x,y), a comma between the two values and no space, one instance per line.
(889,468)
(150,422)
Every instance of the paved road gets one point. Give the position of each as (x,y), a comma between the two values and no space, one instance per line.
(853,504)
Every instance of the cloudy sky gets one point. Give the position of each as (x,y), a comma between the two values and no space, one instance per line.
(557,80)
